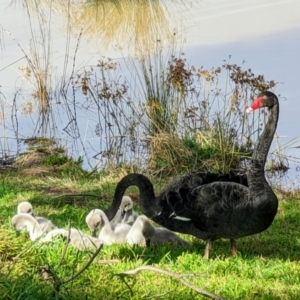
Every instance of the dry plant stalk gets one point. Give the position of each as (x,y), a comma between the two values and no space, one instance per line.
(179,277)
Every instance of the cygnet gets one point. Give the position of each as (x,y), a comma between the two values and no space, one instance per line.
(144,233)
(141,232)
(164,235)
(24,221)
(128,215)
(97,220)
(26,207)
(77,238)
(116,219)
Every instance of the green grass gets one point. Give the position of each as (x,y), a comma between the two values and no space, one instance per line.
(266,267)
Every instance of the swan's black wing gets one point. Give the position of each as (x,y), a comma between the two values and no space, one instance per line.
(195,179)
(177,190)
(218,208)
(215,198)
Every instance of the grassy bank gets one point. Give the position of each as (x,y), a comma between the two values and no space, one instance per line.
(266,267)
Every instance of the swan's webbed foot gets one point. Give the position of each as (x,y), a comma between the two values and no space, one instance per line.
(208,247)
(233,247)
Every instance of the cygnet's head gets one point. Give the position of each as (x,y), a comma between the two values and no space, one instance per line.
(22,221)
(126,205)
(95,221)
(25,207)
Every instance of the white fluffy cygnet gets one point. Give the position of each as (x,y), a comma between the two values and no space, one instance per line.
(77,238)
(26,207)
(97,220)
(143,233)
(117,219)
(26,222)
(128,215)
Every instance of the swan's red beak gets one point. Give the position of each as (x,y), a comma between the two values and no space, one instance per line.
(257,103)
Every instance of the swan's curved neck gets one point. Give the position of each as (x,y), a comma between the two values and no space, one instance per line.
(256,174)
(147,196)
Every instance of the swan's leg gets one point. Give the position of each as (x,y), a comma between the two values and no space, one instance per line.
(233,247)
(207,248)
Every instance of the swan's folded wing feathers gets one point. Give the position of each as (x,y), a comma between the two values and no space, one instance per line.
(178,203)
(215,206)
(183,193)
(214,199)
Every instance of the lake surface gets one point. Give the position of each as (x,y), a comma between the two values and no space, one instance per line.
(263,36)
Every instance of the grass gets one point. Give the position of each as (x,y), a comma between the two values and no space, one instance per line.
(266,267)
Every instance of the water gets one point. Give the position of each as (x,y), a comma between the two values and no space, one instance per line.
(264,35)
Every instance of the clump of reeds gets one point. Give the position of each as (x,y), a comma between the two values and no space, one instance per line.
(192,124)
(180,119)
(122,23)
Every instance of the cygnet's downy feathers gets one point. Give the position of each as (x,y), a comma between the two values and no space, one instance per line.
(26,207)
(26,222)
(97,220)
(143,233)
(128,215)
(77,238)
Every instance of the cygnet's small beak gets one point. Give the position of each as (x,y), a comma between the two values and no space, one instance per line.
(94,233)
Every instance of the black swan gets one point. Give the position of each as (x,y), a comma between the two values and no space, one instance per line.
(214,210)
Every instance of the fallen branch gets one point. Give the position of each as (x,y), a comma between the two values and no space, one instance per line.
(107,261)
(75,195)
(179,277)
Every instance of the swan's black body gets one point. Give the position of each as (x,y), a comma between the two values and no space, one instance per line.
(203,205)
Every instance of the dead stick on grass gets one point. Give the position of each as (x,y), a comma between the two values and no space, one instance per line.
(107,261)
(179,277)
(75,195)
